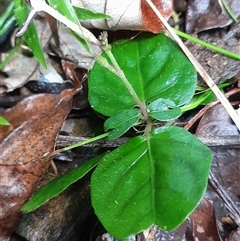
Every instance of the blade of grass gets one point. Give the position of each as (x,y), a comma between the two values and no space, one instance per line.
(6,14)
(229,11)
(58,185)
(207,45)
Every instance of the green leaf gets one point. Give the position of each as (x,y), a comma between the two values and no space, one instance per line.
(164,110)
(53,188)
(155,67)
(4,122)
(31,36)
(159,181)
(65,7)
(81,41)
(121,122)
(85,14)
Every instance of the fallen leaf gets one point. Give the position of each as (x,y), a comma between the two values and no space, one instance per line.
(21,68)
(209,14)
(150,21)
(71,49)
(35,123)
(235,235)
(204,222)
(131,15)
(211,61)
(216,122)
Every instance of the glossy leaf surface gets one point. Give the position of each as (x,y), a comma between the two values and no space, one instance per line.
(154,66)
(121,122)
(159,181)
(164,110)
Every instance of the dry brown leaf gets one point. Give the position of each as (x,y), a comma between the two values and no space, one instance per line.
(21,68)
(209,14)
(131,15)
(71,49)
(235,235)
(150,21)
(35,124)
(204,222)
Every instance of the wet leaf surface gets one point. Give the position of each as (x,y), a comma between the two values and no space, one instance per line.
(35,122)
(159,71)
(141,183)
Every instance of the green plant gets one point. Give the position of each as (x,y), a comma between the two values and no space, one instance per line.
(159,176)
(4,122)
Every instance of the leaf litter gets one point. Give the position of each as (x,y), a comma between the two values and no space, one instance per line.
(35,123)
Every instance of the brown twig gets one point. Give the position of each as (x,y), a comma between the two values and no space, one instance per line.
(63,141)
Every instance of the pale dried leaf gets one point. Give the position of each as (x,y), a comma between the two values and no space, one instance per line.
(131,15)
(209,14)
(20,69)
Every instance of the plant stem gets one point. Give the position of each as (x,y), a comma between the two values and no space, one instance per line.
(118,71)
(230,13)
(207,45)
(40,5)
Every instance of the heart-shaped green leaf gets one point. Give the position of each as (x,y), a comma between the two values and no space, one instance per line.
(164,110)
(159,181)
(154,66)
(121,122)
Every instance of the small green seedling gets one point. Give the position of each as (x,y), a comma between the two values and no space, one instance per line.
(159,176)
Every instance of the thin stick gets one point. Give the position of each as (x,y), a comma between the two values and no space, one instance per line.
(224,101)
